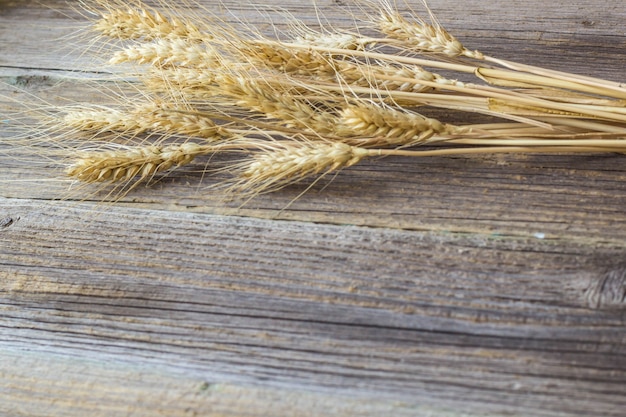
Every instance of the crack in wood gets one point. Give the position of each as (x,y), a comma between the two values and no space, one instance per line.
(7,222)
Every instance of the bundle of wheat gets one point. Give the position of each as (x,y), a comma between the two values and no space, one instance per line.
(321,101)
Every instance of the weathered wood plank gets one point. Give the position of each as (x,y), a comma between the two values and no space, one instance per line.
(114,388)
(489,325)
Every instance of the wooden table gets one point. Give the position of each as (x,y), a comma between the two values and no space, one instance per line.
(458,286)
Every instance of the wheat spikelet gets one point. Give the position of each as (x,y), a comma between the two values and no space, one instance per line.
(389,77)
(384,76)
(289,56)
(124,164)
(179,121)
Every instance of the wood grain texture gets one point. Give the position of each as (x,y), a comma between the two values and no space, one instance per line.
(465,286)
(288,304)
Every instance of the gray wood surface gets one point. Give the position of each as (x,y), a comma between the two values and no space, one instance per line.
(465,286)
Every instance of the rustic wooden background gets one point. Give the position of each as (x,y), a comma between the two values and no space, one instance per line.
(465,286)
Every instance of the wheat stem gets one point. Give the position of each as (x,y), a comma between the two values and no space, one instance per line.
(514,79)
(495,150)
(565,143)
(618,88)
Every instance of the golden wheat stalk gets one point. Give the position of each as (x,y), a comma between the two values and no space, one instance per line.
(279,164)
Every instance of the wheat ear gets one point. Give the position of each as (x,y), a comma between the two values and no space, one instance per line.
(278,164)
(136,23)
(420,35)
(374,125)
(286,105)
(195,83)
(124,164)
(147,117)
(164,52)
